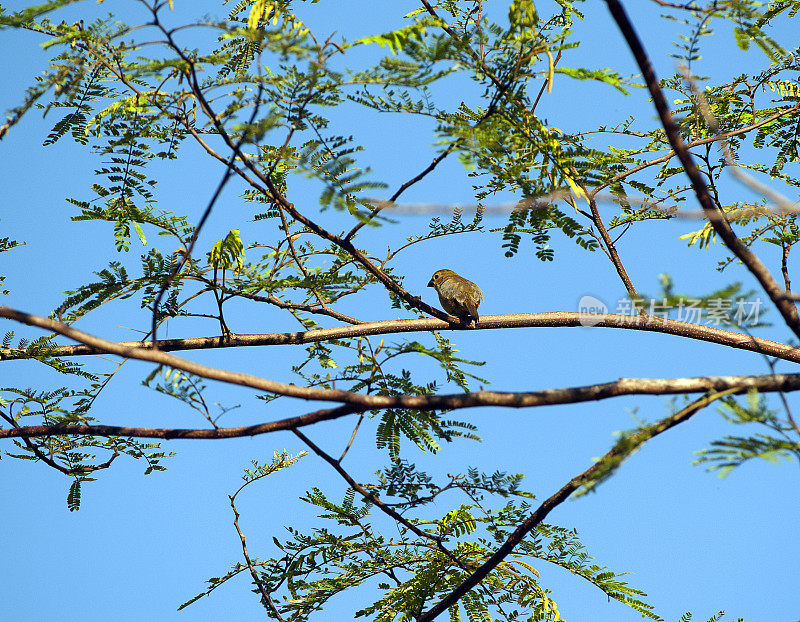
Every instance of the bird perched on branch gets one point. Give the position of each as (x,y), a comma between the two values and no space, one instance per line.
(458,296)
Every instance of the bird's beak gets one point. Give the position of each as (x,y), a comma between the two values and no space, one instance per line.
(430,283)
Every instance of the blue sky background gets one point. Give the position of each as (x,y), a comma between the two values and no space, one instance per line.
(140,546)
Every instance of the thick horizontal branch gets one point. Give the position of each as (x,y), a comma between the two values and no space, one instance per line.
(179,433)
(420,402)
(557,319)
(547,397)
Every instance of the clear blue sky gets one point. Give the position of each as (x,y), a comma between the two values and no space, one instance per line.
(140,546)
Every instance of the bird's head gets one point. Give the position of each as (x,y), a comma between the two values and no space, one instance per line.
(439,276)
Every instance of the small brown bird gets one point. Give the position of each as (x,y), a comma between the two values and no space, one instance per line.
(458,296)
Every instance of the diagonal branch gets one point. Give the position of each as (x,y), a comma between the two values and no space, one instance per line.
(374,499)
(610,245)
(266,599)
(421,175)
(716,217)
(696,143)
(558,498)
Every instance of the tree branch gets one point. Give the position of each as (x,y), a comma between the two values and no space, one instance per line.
(610,246)
(374,499)
(557,499)
(716,217)
(421,175)
(556,319)
(696,143)
(266,599)
(359,403)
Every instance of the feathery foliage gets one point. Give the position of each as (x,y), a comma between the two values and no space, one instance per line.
(284,111)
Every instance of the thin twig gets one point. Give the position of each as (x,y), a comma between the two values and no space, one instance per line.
(609,243)
(352,438)
(421,175)
(265,597)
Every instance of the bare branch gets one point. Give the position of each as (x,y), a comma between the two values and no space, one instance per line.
(610,246)
(693,7)
(556,319)
(421,175)
(290,423)
(545,201)
(359,403)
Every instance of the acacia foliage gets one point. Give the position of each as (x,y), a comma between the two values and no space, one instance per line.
(261,99)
